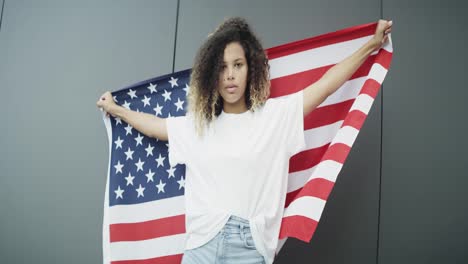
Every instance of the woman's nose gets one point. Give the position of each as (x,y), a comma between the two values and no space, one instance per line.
(230,74)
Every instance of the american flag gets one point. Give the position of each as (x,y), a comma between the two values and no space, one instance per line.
(144,219)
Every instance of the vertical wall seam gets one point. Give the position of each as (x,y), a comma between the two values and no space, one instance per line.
(175,36)
(380,165)
(1,14)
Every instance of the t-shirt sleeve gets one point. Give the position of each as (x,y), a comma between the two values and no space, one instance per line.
(178,138)
(294,122)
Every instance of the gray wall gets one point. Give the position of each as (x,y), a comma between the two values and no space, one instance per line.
(399,199)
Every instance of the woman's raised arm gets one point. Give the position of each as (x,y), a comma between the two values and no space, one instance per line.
(150,125)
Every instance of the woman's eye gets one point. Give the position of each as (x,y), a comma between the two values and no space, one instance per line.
(238,64)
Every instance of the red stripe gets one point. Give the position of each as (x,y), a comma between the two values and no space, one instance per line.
(322,40)
(298,226)
(318,187)
(327,115)
(384,58)
(306,159)
(147,230)
(298,81)
(337,152)
(172,259)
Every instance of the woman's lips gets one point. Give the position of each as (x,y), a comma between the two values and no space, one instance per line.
(231,89)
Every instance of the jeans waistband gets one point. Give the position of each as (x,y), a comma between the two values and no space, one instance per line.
(237,224)
(238,219)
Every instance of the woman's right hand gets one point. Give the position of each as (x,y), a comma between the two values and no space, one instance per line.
(106,103)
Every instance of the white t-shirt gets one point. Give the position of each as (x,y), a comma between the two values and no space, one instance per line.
(239,167)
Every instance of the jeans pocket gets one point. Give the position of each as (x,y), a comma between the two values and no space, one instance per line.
(248,241)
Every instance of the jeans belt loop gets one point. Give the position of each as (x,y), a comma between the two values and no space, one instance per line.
(242,235)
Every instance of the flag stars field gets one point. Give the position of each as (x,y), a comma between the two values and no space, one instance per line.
(149,176)
(140,191)
(129,154)
(139,139)
(181,182)
(139,165)
(166,95)
(160,186)
(179,104)
(132,94)
(146,101)
(173,82)
(158,109)
(128,129)
(118,121)
(126,105)
(119,193)
(118,167)
(129,179)
(160,160)
(149,150)
(152,88)
(171,172)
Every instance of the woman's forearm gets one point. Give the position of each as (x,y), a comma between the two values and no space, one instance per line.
(147,124)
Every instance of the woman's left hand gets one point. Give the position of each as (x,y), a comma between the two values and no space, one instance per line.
(384,27)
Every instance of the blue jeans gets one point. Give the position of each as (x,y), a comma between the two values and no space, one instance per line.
(232,245)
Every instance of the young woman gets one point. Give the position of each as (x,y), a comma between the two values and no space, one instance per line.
(236,188)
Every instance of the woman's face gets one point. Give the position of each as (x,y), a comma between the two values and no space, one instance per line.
(233,77)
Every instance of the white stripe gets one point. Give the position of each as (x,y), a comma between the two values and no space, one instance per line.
(346,135)
(348,91)
(314,58)
(151,248)
(377,72)
(320,136)
(362,103)
(147,211)
(105,220)
(327,169)
(307,206)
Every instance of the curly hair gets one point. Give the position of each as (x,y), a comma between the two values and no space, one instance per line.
(204,100)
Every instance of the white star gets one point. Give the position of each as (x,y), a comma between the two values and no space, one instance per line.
(139,164)
(160,186)
(167,144)
(158,109)
(115,98)
(140,191)
(149,175)
(160,160)
(132,94)
(126,105)
(181,182)
(186,89)
(129,154)
(179,104)
(169,115)
(173,82)
(149,150)
(118,143)
(152,88)
(128,129)
(146,101)
(167,95)
(129,179)
(139,139)
(119,193)
(171,172)
(118,167)
(118,121)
